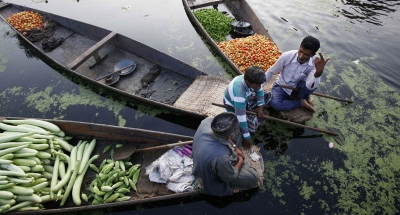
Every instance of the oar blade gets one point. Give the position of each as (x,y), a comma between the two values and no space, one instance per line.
(124,152)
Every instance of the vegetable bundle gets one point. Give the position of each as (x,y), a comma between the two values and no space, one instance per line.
(33,155)
(216,23)
(186,150)
(256,50)
(113,181)
(25,20)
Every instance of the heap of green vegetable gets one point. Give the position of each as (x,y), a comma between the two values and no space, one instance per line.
(216,23)
(114,180)
(33,158)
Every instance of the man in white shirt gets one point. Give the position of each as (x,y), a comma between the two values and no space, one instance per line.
(300,69)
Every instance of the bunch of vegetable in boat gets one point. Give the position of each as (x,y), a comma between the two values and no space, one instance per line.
(185,150)
(235,32)
(217,24)
(26,20)
(114,179)
(255,50)
(38,165)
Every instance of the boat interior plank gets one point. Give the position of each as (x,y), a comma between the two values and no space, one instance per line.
(206,3)
(145,186)
(157,79)
(78,61)
(3,4)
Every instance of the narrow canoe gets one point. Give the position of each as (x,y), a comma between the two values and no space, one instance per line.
(238,9)
(148,145)
(106,135)
(89,52)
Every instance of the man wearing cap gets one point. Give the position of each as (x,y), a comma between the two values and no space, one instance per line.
(217,158)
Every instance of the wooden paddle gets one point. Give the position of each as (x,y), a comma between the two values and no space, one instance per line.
(128,149)
(318,94)
(97,79)
(283,121)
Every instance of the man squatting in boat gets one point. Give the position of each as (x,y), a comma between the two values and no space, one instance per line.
(300,69)
(217,158)
(244,93)
(297,68)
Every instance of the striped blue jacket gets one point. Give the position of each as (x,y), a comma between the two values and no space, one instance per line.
(237,95)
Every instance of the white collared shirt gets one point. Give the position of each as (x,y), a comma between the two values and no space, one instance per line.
(292,72)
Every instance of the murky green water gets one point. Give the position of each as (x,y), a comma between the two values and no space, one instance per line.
(303,175)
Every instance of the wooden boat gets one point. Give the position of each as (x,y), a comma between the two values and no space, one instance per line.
(238,9)
(106,135)
(89,52)
(148,145)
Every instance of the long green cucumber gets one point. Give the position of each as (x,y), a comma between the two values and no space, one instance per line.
(18,190)
(6,194)
(11,137)
(5,145)
(12,173)
(7,127)
(41,123)
(33,198)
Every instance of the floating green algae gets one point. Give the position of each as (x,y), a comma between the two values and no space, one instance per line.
(369,128)
(306,191)
(365,180)
(48,100)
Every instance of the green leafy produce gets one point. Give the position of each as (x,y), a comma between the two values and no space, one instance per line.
(112,183)
(106,149)
(217,24)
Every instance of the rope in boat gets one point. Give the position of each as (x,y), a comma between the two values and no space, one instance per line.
(52,43)
(49,27)
(36,35)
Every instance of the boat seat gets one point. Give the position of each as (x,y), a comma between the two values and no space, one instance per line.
(92,51)
(205,3)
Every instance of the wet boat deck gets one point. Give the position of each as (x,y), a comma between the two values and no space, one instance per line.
(204,3)
(166,87)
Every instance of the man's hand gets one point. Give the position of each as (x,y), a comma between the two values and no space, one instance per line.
(319,65)
(239,163)
(239,152)
(246,144)
(260,111)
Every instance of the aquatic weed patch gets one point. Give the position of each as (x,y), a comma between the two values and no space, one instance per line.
(359,175)
(370,128)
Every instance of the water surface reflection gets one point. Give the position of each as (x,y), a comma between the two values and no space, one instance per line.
(368,11)
(303,175)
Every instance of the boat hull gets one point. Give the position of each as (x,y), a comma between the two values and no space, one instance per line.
(108,135)
(89,52)
(239,9)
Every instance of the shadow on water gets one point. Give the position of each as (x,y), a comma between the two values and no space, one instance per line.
(368,11)
(280,147)
(190,204)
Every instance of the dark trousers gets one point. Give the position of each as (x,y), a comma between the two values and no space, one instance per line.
(282,101)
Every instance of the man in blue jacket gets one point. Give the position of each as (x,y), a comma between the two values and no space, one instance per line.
(217,158)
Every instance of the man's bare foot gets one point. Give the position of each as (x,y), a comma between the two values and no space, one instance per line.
(307,106)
